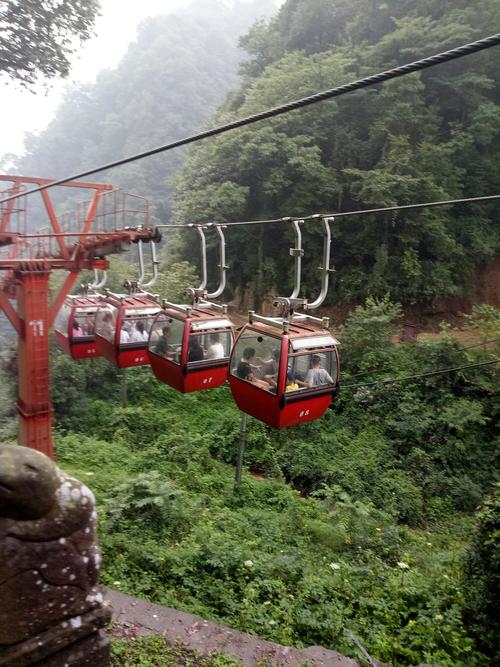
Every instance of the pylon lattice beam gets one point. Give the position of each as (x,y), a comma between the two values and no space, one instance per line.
(28,260)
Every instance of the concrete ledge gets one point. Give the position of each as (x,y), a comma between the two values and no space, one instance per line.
(206,637)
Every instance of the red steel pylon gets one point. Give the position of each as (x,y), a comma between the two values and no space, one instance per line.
(27,262)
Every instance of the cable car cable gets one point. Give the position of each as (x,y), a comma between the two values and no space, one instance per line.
(419,375)
(381,77)
(461,349)
(315,216)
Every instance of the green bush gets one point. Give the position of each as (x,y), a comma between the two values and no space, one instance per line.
(482,577)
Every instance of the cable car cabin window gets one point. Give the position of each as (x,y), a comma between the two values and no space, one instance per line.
(166,338)
(105,322)
(209,346)
(311,370)
(136,325)
(62,319)
(83,325)
(256,359)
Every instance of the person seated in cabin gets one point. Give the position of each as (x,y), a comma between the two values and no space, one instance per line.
(163,347)
(125,333)
(77,331)
(195,350)
(138,334)
(271,367)
(247,357)
(317,376)
(89,325)
(216,348)
(244,371)
(107,328)
(291,383)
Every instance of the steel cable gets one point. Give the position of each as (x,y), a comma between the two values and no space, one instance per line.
(419,375)
(402,70)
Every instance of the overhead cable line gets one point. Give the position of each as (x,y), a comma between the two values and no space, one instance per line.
(461,349)
(345,214)
(387,75)
(420,375)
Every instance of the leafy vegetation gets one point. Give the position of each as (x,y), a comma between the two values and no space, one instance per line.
(428,136)
(482,575)
(38,37)
(357,523)
(154,652)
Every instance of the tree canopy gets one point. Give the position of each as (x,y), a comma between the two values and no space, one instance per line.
(428,136)
(38,37)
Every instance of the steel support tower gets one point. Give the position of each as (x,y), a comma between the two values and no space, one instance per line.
(26,264)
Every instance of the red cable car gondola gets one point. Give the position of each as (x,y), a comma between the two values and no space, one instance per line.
(284,372)
(123,323)
(75,326)
(189,347)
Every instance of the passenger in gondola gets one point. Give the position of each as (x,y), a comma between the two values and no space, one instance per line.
(244,371)
(125,333)
(89,325)
(291,383)
(108,325)
(271,367)
(162,346)
(247,357)
(77,331)
(216,348)
(138,334)
(317,376)
(195,350)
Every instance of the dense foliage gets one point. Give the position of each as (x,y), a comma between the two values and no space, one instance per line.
(37,37)
(428,136)
(154,652)
(482,576)
(353,524)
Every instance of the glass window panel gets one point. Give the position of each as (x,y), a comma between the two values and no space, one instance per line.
(209,346)
(83,323)
(62,319)
(166,338)
(105,324)
(136,327)
(256,359)
(307,371)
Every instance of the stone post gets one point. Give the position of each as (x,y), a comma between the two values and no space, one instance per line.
(51,613)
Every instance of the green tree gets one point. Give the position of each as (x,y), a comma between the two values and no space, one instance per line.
(427,136)
(38,37)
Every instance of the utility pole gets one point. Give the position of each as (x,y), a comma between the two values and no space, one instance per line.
(241,449)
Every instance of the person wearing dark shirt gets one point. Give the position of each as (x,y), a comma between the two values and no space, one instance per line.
(195,350)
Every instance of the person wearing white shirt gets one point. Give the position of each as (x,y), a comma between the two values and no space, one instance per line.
(138,333)
(125,333)
(216,348)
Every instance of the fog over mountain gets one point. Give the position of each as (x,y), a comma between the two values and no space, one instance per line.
(172,77)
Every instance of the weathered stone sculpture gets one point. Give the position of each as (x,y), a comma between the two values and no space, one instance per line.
(50,610)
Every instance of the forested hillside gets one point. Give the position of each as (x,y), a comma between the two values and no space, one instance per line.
(428,136)
(171,78)
(358,523)
(361,528)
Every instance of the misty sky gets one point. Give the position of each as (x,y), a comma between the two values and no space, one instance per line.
(23,111)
